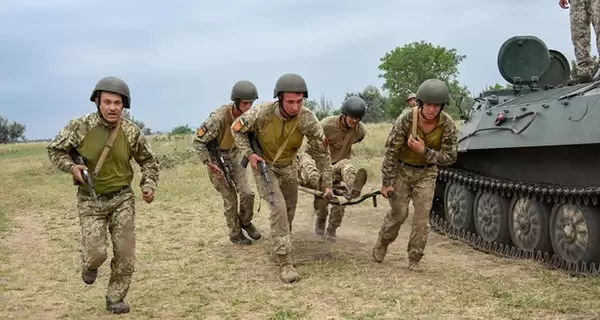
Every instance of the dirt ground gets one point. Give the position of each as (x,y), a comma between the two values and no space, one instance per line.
(187,268)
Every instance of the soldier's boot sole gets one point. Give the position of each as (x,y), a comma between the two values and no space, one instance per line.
(360,179)
(240,239)
(379,252)
(320,226)
(119,307)
(252,231)
(89,276)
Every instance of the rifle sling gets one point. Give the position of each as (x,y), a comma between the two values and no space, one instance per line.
(415,120)
(109,144)
(280,150)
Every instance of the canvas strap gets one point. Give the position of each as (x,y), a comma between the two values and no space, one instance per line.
(280,150)
(109,144)
(415,120)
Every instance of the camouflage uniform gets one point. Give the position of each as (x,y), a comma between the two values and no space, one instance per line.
(115,208)
(271,129)
(582,13)
(413,175)
(340,138)
(216,131)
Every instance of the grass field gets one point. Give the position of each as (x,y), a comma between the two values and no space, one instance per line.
(187,268)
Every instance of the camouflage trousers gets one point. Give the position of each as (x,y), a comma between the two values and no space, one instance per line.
(583,13)
(115,212)
(417,184)
(283,183)
(343,174)
(237,214)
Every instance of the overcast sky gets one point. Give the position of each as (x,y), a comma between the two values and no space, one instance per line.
(181,60)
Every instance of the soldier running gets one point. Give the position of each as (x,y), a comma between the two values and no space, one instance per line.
(342,133)
(410,167)
(90,137)
(277,130)
(215,133)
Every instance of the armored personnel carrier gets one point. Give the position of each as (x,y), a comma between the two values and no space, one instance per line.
(527,180)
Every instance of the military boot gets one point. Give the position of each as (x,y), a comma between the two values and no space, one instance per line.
(287,273)
(252,231)
(240,238)
(380,250)
(359,182)
(88,275)
(413,264)
(320,226)
(118,307)
(330,234)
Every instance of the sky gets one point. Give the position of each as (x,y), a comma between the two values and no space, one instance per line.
(181,60)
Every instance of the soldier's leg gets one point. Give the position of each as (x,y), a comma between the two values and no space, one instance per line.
(335,220)
(423,190)
(288,183)
(354,179)
(94,243)
(230,204)
(396,216)
(121,224)
(595,17)
(580,36)
(246,212)
(280,227)
(310,177)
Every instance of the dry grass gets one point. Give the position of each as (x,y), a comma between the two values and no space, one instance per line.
(187,268)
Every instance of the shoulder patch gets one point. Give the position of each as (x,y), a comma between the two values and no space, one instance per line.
(238,124)
(201,132)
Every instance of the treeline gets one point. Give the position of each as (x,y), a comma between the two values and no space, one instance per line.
(403,69)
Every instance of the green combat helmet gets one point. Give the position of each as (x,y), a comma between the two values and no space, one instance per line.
(433,91)
(354,106)
(244,90)
(290,82)
(114,85)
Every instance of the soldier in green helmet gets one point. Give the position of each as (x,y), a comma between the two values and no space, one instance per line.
(409,167)
(342,133)
(214,140)
(106,142)
(269,137)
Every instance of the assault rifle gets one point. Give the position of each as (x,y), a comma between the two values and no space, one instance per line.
(261,165)
(85,174)
(214,149)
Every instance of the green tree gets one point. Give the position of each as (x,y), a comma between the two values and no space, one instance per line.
(405,68)
(11,132)
(322,109)
(139,123)
(180,130)
(376,103)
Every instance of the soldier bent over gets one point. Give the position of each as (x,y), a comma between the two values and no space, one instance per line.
(342,132)
(410,167)
(90,137)
(270,136)
(214,139)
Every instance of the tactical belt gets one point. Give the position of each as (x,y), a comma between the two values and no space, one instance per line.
(417,166)
(107,195)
